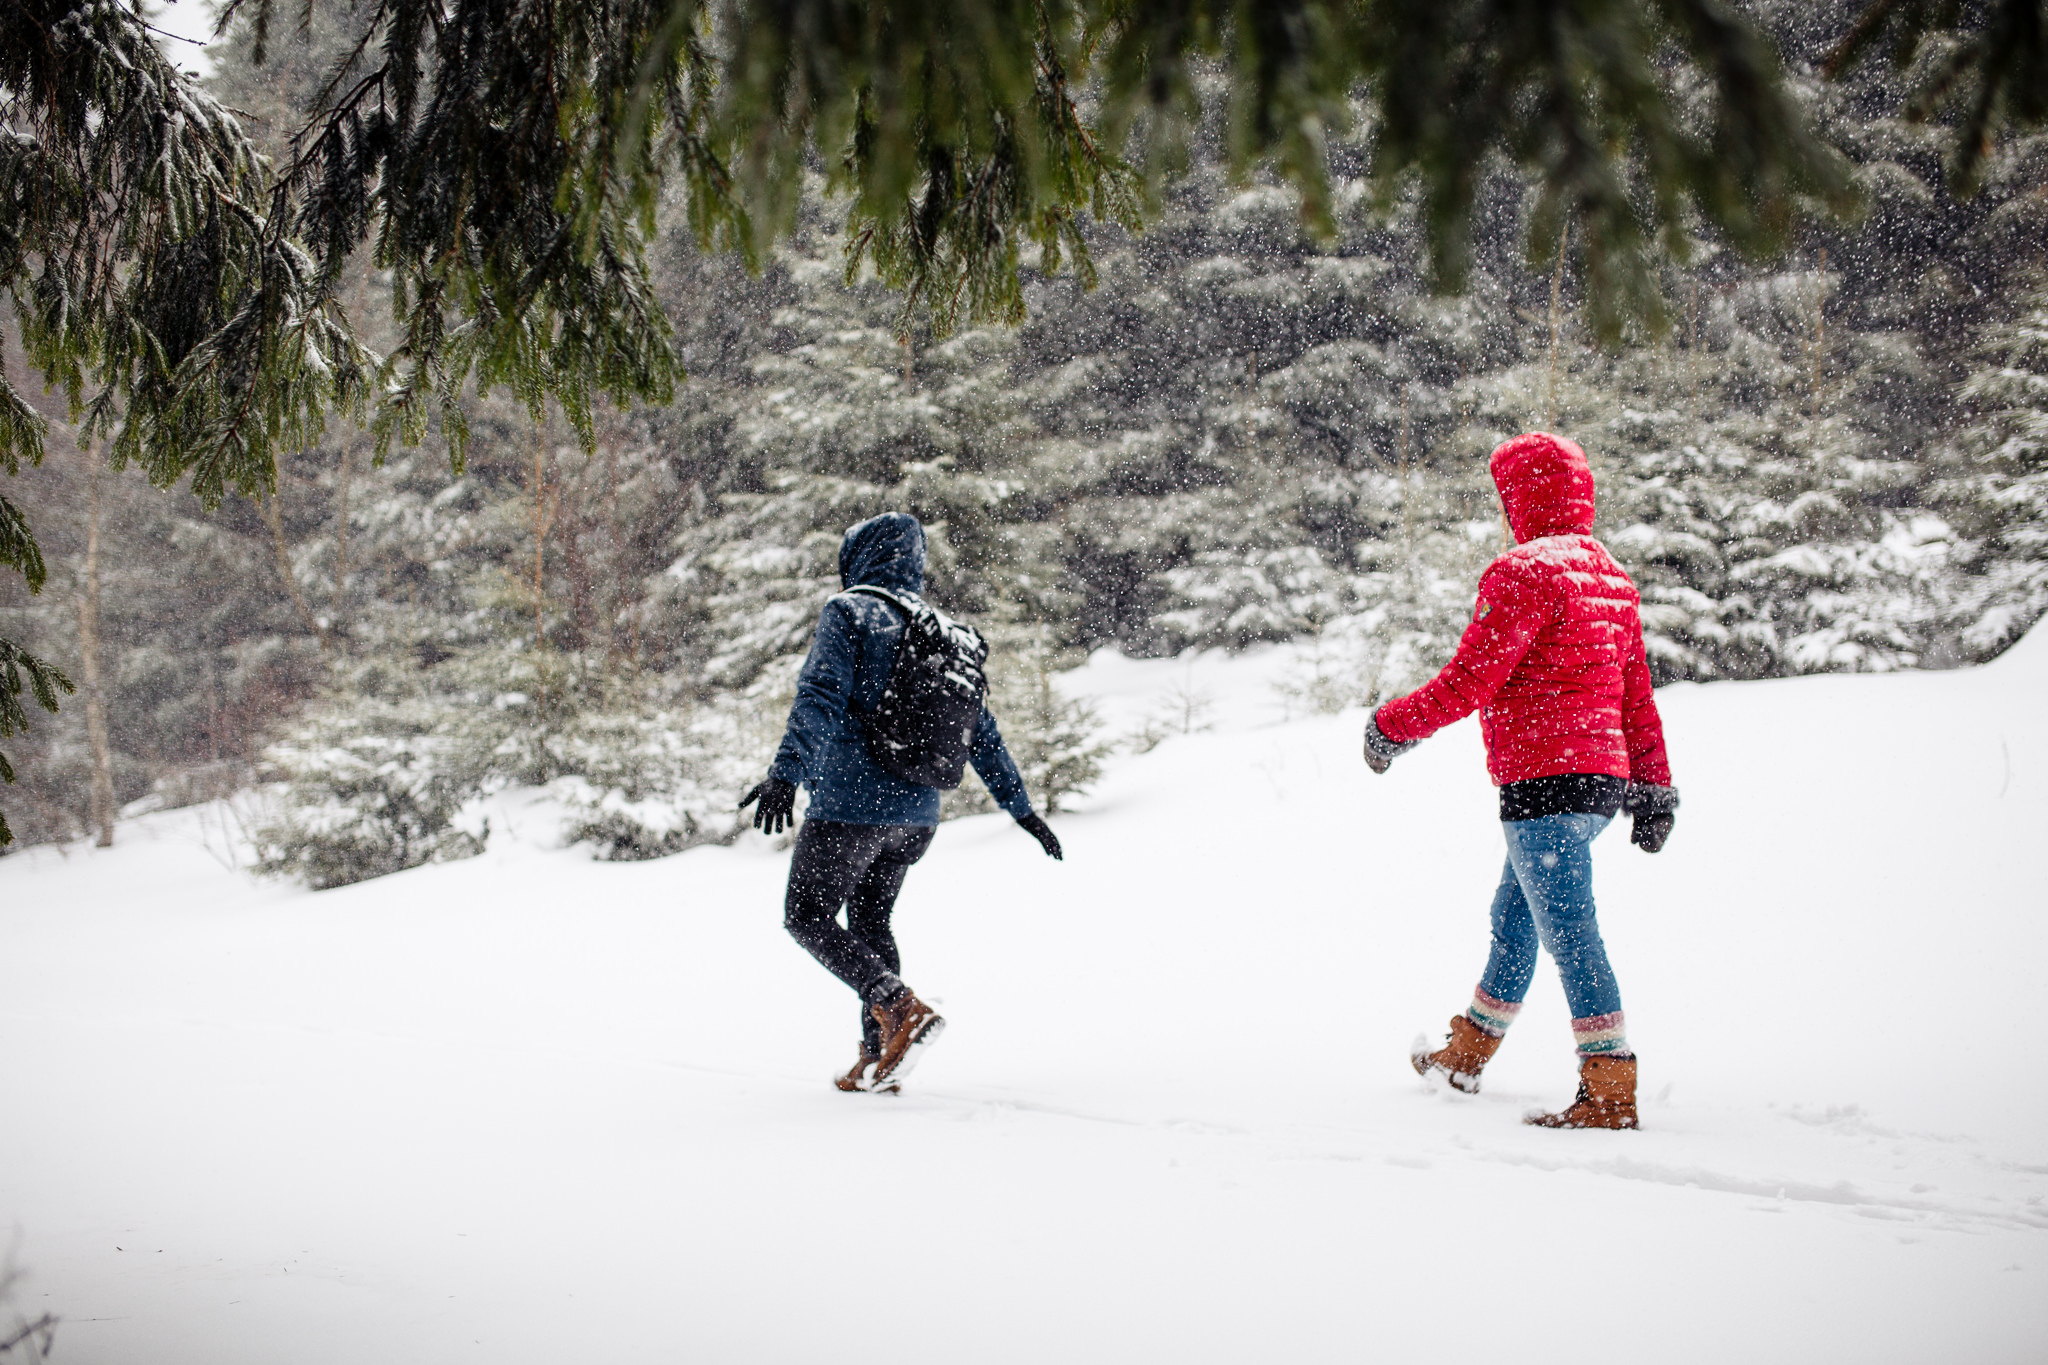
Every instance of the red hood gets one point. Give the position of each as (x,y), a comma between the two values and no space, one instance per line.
(1545,485)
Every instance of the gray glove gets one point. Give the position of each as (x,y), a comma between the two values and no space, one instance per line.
(1380,752)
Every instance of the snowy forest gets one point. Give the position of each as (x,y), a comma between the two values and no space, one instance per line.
(477,874)
(1245,431)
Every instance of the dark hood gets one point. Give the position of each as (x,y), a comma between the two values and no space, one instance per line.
(1546,486)
(884,552)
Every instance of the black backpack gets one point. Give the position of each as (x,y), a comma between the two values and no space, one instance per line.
(922,728)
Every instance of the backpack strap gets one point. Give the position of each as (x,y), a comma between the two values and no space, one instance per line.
(915,609)
(883,594)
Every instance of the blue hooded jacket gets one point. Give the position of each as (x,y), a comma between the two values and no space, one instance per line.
(824,747)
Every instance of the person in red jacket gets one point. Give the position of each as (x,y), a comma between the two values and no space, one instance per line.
(1553,662)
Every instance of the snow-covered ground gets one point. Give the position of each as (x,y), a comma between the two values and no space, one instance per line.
(536,1108)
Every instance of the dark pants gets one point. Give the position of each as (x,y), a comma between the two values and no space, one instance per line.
(862,868)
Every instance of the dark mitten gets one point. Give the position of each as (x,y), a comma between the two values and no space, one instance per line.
(1654,809)
(1042,832)
(1380,752)
(1650,831)
(777,808)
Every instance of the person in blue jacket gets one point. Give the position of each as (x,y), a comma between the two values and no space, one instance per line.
(865,826)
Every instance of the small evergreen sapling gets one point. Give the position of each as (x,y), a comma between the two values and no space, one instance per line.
(1333,670)
(1056,739)
(1182,709)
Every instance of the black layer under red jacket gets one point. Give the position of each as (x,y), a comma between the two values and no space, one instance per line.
(1553,660)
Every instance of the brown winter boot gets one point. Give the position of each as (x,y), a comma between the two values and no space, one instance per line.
(1464,1054)
(1607,1097)
(909,1026)
(857,1079)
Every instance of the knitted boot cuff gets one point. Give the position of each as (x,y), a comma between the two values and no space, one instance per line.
(1601,1035)
(1491,1016)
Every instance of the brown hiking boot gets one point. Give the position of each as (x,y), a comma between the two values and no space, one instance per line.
(1607,1097)
(909,1026)
(1464,1054)
(858,1079)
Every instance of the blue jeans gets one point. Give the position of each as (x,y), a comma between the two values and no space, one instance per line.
(1546,897)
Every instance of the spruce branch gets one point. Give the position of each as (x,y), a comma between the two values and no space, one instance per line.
(18,548)
(43,681)
(1990,60)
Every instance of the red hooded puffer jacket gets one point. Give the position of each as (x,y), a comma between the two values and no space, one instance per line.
(1553,659)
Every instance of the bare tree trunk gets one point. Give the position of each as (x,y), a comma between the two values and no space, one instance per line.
(1820,327)
(284,570)
(89,660)
(1564,237)
(543,519)
(341,513)
(620,599)
(582,528)
(582,582)
(1407,531)
(1556,300)
(1692,345)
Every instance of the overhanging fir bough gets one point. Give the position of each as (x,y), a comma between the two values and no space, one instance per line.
(507,157)
(144,281)
(503,159)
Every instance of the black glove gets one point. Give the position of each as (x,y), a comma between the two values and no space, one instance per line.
(1380,752)
(777,808)
(1042,832)
(1650,831)
(1654,809)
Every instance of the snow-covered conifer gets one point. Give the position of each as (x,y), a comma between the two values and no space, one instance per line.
(1997,492)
